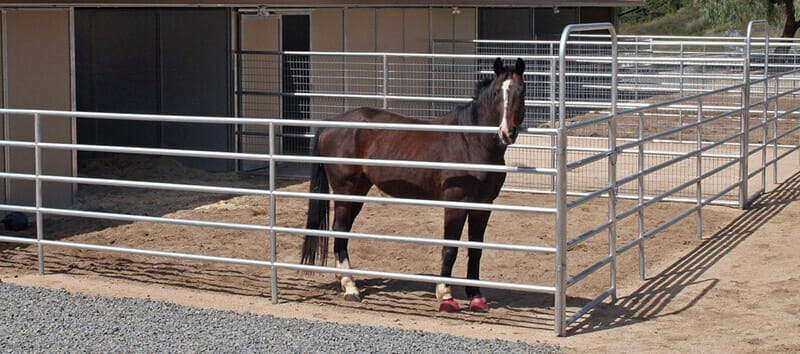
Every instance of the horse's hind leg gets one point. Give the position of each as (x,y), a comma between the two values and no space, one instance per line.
(344,215)
(346,180)
(477,227)
(453,224)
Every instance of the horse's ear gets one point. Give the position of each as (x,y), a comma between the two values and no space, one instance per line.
(498,66)
(519,68)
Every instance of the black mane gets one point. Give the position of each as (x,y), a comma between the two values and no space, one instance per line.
(467,114)
(479,87)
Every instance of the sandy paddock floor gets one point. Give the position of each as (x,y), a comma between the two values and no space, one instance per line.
(737,289)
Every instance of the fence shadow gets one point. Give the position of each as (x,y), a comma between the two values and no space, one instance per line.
(650,301)
(393,297)
(125,200)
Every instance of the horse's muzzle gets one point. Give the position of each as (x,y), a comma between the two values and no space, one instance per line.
(508,137)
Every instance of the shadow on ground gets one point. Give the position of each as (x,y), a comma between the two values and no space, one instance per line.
(651,299)
(391,297)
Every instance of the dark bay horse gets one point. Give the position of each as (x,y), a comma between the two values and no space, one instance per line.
(498,102)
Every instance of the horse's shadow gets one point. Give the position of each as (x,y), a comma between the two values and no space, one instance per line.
(651,300)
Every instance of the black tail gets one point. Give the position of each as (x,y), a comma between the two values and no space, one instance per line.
(315,248)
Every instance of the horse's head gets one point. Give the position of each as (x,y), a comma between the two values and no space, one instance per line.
(509,99)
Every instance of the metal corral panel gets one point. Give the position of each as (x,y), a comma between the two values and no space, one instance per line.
(38,68)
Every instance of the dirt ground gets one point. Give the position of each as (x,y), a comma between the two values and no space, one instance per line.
(736,290)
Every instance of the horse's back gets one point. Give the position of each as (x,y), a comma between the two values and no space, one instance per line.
(375,143)
(376,115)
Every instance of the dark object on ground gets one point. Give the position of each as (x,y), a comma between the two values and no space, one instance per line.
(15,221)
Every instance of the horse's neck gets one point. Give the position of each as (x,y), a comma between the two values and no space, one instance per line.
(474,114)
(471,114)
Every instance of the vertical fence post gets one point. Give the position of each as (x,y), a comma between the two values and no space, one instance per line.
(745,126)
(273,255)
(640,197)
(612,171)
(561,231)
(37,139)
(766,106)
(765,103)
(775,130)
(699,185)
(560,306)
(553,142)
(680,110)
(385,81)
(744,141)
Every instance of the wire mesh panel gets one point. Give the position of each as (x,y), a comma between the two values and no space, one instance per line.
(258,97)
(315,85)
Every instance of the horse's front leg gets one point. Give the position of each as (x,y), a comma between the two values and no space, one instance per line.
(453,224)
(477,227)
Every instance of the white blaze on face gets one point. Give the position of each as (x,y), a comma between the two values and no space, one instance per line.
(506,87)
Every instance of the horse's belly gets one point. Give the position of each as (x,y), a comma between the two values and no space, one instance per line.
(403,182)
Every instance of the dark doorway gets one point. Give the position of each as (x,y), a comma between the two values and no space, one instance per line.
(295,36)
(550,22)
(159,61)
(505,23)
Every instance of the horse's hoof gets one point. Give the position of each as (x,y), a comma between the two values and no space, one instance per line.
(448,305)
(352,297)
(478,304)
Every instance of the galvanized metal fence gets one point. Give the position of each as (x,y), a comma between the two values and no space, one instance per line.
(722,132)
(630,166)
(318,85)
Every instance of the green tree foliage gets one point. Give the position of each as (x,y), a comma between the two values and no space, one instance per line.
(653,9)
(673,17)
(738,12)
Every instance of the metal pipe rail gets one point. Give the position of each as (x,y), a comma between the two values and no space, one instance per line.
(285,158)
(291,266)
(289,230)
(266,121)
(624,39)
(284,194)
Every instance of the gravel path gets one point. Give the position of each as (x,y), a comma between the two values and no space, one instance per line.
(43,320)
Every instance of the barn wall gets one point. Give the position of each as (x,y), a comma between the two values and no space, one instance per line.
(259,33)
(38,67)
(351,30)
(417,38)
(327,36)
(381,30)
